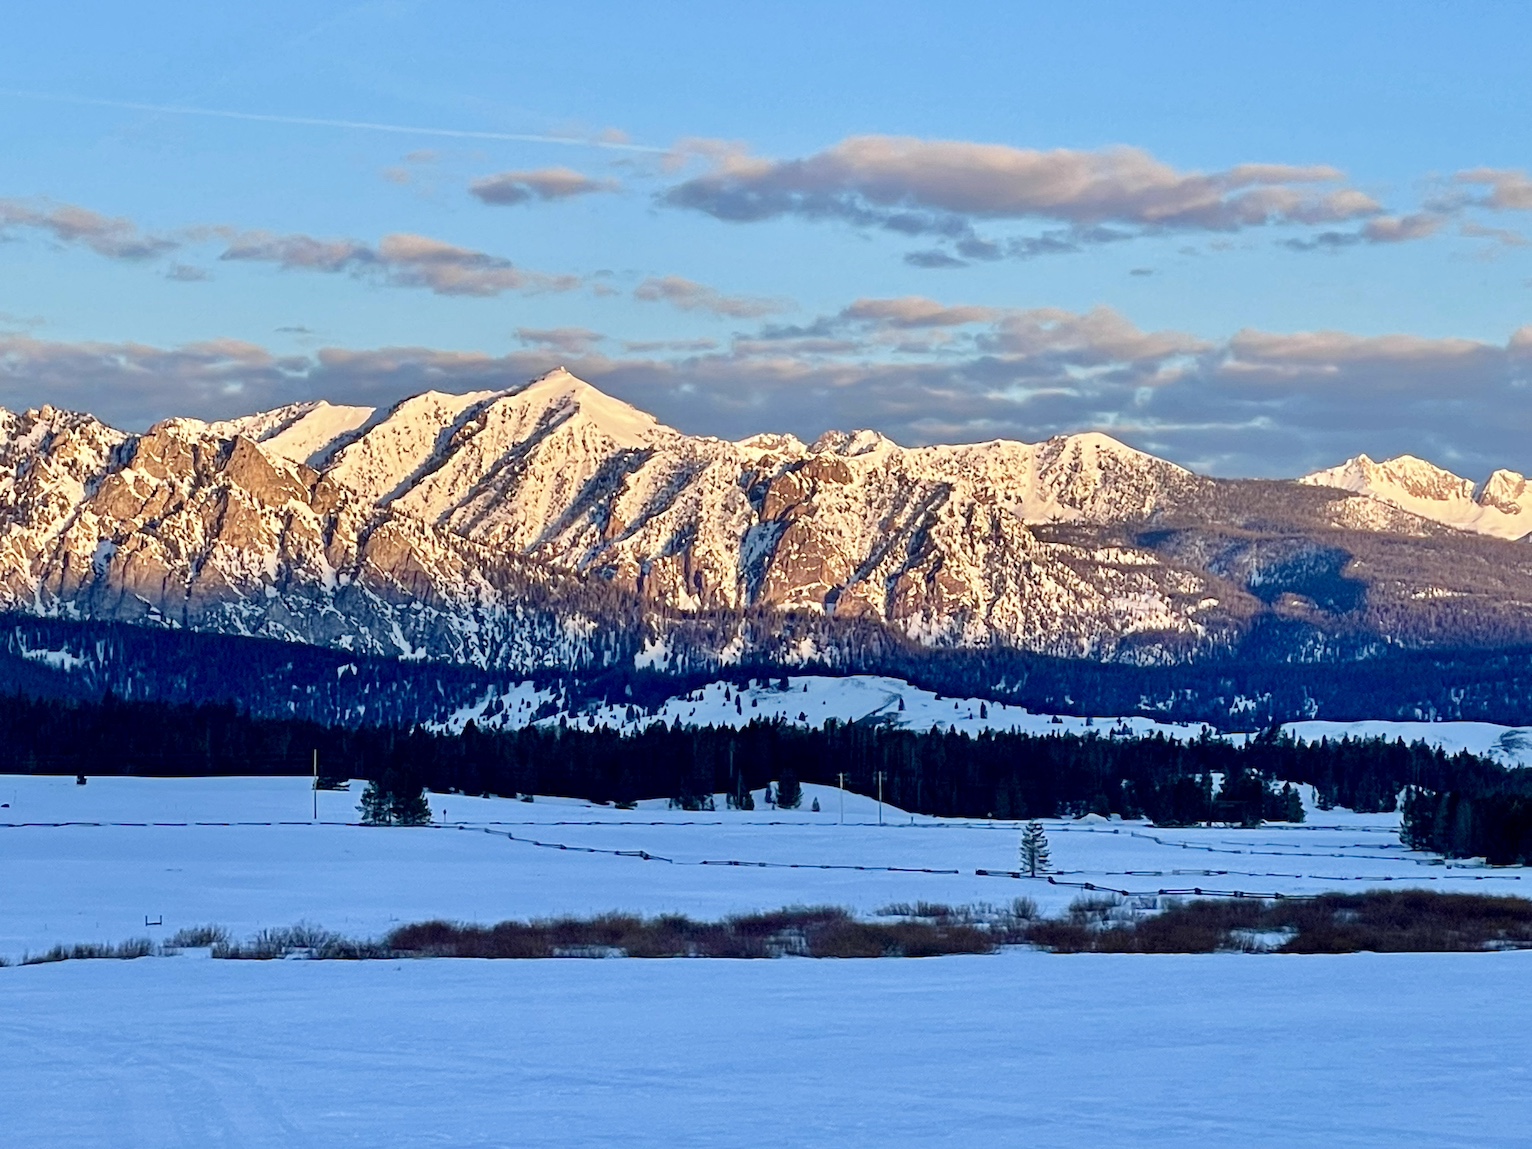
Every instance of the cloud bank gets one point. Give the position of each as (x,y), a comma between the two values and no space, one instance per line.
(943,188)
(1258,403)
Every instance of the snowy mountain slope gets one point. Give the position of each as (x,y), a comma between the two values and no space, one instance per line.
(1501,507)
(318,430)
(551,524)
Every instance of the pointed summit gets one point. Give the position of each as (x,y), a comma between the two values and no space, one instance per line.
(561,391)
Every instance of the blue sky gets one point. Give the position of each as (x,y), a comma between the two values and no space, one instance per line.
(1255,239)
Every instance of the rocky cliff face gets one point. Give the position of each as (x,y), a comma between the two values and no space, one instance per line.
(551,524)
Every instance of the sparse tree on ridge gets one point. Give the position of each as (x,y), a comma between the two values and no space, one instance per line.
(1034,850)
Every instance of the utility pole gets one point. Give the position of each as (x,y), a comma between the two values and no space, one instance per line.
(316,783)
(880,776)
(841,778)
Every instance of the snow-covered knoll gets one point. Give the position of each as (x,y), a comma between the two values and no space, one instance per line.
(808,700)
(811,700)
(1501,507)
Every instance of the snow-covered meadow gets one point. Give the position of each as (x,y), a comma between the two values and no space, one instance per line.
(1021,1048)
(135,850)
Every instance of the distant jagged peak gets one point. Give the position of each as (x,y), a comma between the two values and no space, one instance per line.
(186,427)
(1505,490)
(1501,507)
(53,428)
(852,444)
(315,436)
(772,443)
(1404,474)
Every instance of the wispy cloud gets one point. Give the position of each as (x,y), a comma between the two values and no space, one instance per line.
(1382,229)
(111,236)
(543,184)
(688,295)
(573,340)
(402,260)
(607,140)
(1509,190)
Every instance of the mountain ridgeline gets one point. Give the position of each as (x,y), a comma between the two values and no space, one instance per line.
(551,530)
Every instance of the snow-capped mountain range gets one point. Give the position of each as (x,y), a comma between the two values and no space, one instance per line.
(551,524)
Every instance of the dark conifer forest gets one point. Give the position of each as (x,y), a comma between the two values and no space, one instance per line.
(75,659)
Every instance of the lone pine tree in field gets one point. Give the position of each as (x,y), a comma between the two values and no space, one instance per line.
(394,801)
(1034,849)
(375,809)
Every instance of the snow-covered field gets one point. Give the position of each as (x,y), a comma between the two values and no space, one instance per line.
(74,883)
(1020,1048)
(1015,1050)
(810,700)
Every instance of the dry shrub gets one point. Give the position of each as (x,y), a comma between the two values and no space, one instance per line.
(85,951)
(1385,921)
(301,940)
(817,931)
(198,937)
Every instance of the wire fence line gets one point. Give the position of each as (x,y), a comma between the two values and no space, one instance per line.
(1095,887)
(1057,878)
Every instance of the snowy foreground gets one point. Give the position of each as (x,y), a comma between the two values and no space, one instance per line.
(1020,1048)
(1013,1050)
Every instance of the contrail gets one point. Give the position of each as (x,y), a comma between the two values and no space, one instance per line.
(318,122)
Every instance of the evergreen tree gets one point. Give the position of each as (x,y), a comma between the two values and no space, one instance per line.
(1034,850)
(409,806)
(395,800)
(376,809)
(789,792)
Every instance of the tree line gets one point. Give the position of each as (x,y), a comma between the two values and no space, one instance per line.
(938,771)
